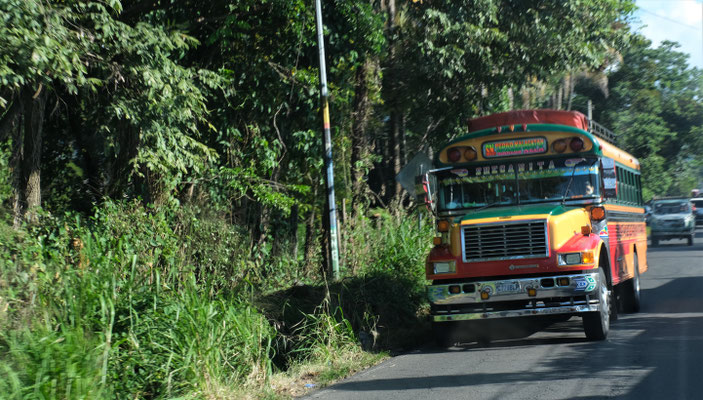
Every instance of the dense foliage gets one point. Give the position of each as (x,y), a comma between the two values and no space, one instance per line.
(161,182)
(655,105)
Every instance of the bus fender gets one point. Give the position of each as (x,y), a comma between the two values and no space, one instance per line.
(579,243)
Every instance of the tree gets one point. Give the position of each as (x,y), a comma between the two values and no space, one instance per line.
(655,107)
(456,60)
(39,50)
(139,110)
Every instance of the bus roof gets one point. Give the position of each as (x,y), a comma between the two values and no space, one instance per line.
(541,127)
(519,117)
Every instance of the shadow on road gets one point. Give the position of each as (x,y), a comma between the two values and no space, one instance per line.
(682,295)
(653,355)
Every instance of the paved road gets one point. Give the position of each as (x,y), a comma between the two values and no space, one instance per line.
(655,354)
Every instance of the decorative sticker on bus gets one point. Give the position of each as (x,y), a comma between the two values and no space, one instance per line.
(604,232)
(514,147)
(538,169)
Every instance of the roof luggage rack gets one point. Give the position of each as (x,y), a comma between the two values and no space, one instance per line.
(602,132)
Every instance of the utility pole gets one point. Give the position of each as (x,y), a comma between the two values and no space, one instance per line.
(329,176)
(590,111)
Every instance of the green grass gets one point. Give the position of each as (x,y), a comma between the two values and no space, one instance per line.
(138,303)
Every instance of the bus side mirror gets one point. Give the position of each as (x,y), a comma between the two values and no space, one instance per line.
(609,176)
(423,190)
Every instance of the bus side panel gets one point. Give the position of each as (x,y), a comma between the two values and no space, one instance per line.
(641,243)
(623,237)
(616,251)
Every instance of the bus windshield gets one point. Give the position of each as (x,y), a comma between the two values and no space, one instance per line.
(518,183)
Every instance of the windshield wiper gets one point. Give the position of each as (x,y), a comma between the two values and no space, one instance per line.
(571,179)
(495,203)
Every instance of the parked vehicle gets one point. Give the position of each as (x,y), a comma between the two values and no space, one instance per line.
(698,203)
(672,219)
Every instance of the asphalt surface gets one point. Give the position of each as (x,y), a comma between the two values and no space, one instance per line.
(654,354)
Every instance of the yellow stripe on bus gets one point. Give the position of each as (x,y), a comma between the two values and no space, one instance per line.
(504,218)
(630,209)
(618,155)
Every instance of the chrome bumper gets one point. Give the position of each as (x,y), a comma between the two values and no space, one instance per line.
(578,296)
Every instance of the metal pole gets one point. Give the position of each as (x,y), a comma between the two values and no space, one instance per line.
(590,111)
(329,177)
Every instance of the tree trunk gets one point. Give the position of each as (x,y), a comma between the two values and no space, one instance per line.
(511,99)
(310,235)
(120,169)
(526,104)
(571,83)
(12,128)
(396,123)
(16,175)
(293,225)
(325,240)
(34,105)
(266,215)
(396,140)
(360,146)
(89,150)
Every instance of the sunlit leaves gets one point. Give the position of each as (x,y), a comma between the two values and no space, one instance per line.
(40,42)
(655,106)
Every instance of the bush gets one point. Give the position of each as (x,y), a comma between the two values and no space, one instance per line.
(113,305)
(139,302)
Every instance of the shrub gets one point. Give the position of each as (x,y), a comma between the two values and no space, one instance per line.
(139,302)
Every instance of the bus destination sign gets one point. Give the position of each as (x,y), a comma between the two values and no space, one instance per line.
(515,147)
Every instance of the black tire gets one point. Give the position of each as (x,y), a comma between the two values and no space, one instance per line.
(614,305)
(632,291)
(443,333)
(690,240)
(596,324)
(655,241)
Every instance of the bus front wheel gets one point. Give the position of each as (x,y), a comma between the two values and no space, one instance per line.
(596,324)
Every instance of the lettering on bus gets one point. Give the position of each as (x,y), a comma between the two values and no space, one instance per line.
(529,169)
(510,168)
(514,147)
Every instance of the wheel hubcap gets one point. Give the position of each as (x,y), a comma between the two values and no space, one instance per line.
(605,309)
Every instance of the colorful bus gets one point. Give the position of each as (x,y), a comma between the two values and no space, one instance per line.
(539,213)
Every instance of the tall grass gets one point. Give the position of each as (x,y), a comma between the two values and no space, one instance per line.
(106,306)
(135,302)
(386,292)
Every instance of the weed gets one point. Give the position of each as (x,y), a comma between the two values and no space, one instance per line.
(137,302)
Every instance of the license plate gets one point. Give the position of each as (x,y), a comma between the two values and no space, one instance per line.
(507,287)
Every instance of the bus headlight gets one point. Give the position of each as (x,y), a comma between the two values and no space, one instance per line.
(584,257)
(444,267)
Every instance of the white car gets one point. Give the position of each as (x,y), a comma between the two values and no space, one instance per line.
(672,219)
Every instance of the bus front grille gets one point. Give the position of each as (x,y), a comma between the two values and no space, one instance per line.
(523,239)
